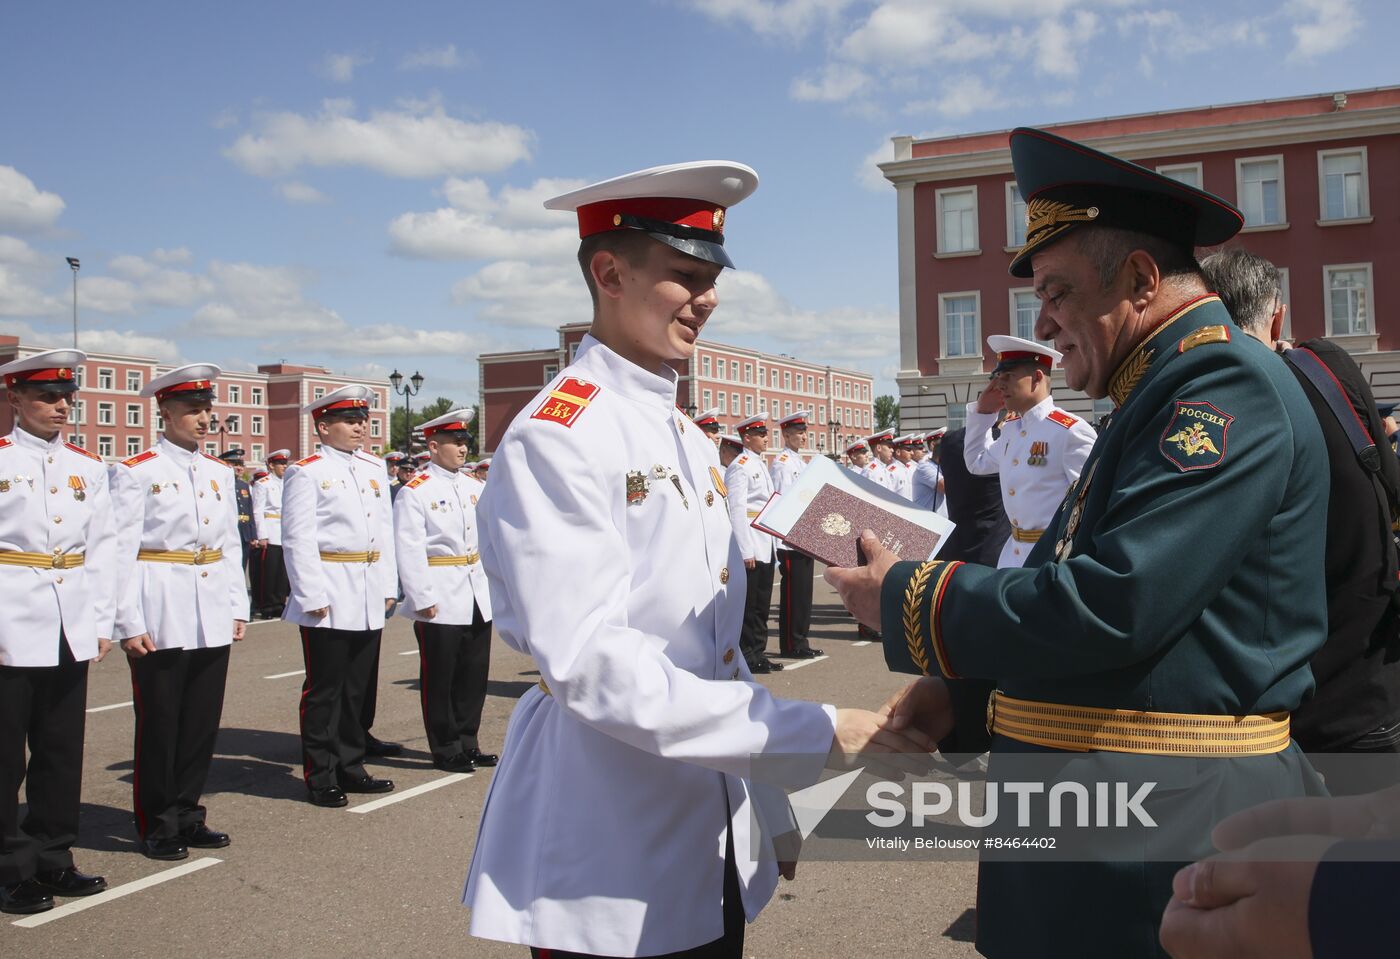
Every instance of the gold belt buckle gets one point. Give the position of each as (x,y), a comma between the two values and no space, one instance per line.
(58,561)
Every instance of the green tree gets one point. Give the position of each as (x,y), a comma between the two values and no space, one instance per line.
(399,424)
(886,412)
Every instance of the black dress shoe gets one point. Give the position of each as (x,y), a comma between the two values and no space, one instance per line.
(807,654)
(460,763)
(69,882)
(762,666)
(378,747)
(775,666)
(366,784)
(202,837)
(332,797)
(167,850)
(480,758)
(26,897)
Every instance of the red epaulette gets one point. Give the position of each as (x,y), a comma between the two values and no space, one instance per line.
(417,481)
(1063,418)
(6,441)
(310,459)
(140,458)
(1012,418)
(79,449)
(210,456)
(566,402)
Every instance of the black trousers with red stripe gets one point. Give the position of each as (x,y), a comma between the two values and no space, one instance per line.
(44,706)
(179,700)
(753,637)
(270,584)
(795,602)
(340,670)
(453,662)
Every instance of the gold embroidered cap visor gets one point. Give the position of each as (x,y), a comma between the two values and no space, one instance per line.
(1068,185)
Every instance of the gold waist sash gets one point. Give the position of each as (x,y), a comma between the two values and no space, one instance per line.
(372,556)
(1083,728)
(1026,535)
(183,557)
(471,559)
(9,557)
(272,515)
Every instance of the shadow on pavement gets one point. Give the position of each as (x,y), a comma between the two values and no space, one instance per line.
(105,829)
(963,928)
(507,690)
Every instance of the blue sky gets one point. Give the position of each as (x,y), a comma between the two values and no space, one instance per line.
(358,184)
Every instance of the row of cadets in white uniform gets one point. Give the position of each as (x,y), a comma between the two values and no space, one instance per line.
(338,543)
(182,601)
(270,586)
(619,820)
(709,424)
(750,486)
(445,593)
(1039,453)
(884,468)
(795,600)
(59,557)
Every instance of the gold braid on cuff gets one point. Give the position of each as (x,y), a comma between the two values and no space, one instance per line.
(913,619)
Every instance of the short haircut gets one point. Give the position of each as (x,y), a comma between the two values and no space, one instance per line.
(1108,248)
(634,246)
(1248,285)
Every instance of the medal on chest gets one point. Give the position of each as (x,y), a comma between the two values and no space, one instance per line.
(374,485)
(1039,454)
(637,487)
(1065,544)
(214,485)
(76,484)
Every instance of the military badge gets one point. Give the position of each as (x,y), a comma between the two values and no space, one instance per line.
(718,480)
(4,486)
(155,489)
(374,485)
(637,487)
(473,500)
(76,484)
(709,498)
(214,485)
(658,471)
(680,489)
(1038,455)
(1195,436)
(325,484)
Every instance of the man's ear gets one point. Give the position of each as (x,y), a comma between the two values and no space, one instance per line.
(1276,322)
(607,269)
(1145,278)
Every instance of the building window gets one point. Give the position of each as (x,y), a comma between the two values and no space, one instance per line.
(235,394)
(76,439)
(106,378)
(706,399)
(133,445)
(1025,310)
(787,407)
(721,369)
(1342,179)
(957,315)
(957,220)
(1286,295)
(1015,216)
(258,453)
(748,405)
(734,402)
(704,366)
(133,382)
(257,425)
(75,416)
(133,414)
(255,395)
(211,448)
(787,379)
(1188,173)
(551,370)
(723,402)
(214,389)
(106,414)
(573,351)
(106,446)
(232,422)
(1348,299)
(78,376)
(748,372)
(375,429)
(1259,181)
(318,392)
(373,399)
(773,379)
(160,421)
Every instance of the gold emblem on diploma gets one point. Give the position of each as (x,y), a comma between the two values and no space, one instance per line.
(834,524)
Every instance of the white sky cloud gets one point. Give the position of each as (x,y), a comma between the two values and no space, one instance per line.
(962,97)
(1322,27)
(23,206)
(834,83)
(435,58)
(419,140)
(128,342)
(511,225)
(175,255)
(297,192)
(341,67)
(788,19)
(514,292)
(254,300)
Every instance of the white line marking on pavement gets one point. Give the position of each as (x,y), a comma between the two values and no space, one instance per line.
(263,622)
(103,709)
(126,889)
(409,652)
(863,642)
(295,672)
(803,662)
(410,793)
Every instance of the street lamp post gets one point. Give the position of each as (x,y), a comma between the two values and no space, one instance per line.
(835,435)
(218,429)
(73,264)
(406,390)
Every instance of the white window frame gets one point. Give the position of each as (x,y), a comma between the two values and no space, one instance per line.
(256,426)
(748,404)
(942,247)
(707,400)
(1012,198)
(256,395)
(748,372)
(235,393)
(1011,295)
(1167,169)
(733,403)
(943,299)
(1364,215)
(106,445)
(109,375)
(375,427)
(106,413)
(1282,222)
(1327,298)
(233,423)
(551,370)
(704,366)
(130,376)
(78,411)
(723,399)
(258,453)
(134,445)
(211,448)
(133,414)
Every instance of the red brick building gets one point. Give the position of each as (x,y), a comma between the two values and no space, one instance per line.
(1310,174)
(260,412)
(737,380)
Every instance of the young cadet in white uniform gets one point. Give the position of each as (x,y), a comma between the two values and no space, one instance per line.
(445,593)
(181,602)
(709,424)
(338,541)
(750,487)
(1041,449)
(859,455)
(885,469)
(270,588)
(56,553)
(795,600)
(618,821)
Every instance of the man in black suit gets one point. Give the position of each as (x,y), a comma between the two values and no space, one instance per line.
(1356,705)
(974,504)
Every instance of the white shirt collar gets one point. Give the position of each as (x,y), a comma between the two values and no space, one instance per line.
(1040,410)
(28,440)
(626,377)
(180,455)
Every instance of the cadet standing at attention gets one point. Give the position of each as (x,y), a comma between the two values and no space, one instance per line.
(749,486)
(709,424)
(795,601)
(270,587)
(445,593)
(181,603)
(57,549)
(338,542)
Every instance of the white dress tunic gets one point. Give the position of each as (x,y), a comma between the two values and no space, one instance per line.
(750,487)
(435,516)
(267,509)
(54,501)
(612,562)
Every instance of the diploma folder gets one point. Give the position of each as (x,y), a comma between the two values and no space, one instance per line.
(823,512)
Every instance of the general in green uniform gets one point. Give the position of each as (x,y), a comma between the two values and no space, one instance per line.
(1173,604)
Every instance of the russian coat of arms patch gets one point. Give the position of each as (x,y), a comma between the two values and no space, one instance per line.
(1195,437)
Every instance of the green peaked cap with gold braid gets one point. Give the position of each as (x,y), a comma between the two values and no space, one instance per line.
(1068,185)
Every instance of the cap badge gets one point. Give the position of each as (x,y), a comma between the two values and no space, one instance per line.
(719,219)
(1048,214)
(637,487)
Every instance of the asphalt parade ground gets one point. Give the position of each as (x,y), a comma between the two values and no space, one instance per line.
(384,876)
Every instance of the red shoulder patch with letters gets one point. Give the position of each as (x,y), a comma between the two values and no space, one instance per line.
(79,449)
(5,441)
(566,402)
(310,459)
(1063,418)
(140,458)
(417,481)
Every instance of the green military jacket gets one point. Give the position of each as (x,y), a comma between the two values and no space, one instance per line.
(1183,573)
